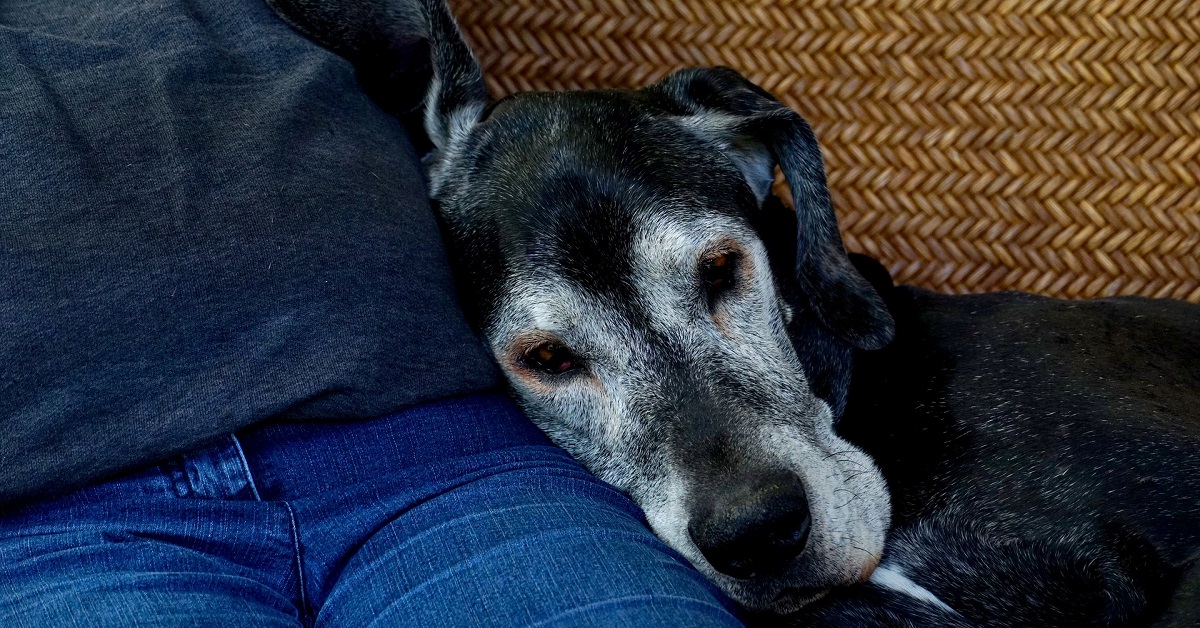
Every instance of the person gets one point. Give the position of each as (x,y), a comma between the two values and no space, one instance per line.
(235,384)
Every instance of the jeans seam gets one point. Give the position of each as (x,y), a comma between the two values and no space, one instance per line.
(295,525)
(246,467)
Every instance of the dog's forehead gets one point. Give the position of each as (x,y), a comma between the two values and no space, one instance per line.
(615,133)
(626,276)
(567,183)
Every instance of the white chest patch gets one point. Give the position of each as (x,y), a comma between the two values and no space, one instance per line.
(895,579)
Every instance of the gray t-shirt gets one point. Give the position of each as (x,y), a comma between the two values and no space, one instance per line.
(204,223)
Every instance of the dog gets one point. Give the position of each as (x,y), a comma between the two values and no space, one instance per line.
(663,317)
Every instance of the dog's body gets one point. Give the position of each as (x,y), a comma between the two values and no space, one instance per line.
(1043,458)
(690,340)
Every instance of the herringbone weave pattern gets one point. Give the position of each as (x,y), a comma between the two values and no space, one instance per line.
(1043,145)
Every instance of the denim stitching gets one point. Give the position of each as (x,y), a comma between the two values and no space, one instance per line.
(299,563)
(246,467)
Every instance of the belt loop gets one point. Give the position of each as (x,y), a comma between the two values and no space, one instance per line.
(219,471)
(246,467)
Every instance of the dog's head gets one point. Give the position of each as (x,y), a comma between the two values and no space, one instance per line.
(610,246)
(664,318)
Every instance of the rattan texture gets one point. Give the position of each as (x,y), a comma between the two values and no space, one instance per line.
(1037,145)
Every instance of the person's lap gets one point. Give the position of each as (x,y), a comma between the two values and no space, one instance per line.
(457,513)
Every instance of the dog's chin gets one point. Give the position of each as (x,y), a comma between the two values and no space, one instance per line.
(776,601)
(791,600)
(784,596)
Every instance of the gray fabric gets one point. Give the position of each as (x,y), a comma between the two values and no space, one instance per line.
(204,223)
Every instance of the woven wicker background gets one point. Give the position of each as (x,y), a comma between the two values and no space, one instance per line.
(1040,145)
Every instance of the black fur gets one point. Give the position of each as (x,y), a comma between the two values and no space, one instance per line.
(826,358)
(1043,458)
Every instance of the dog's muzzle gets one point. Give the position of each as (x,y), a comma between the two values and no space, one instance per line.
(751,530)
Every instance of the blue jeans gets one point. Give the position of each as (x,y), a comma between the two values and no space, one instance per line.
(455,513)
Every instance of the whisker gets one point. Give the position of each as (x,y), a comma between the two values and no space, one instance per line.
(868,553)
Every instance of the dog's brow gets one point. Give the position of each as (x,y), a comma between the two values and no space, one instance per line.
(664,243)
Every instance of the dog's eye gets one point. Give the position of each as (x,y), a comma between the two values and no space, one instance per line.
(718,273)
(550,357)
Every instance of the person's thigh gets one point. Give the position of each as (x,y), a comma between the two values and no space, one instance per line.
(461,513)
(121,597)
(454,513)
(531,541)
(146,550)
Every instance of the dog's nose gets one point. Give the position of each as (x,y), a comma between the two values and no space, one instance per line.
(756,532)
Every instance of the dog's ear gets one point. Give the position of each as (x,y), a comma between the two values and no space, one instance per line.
(457,96)
(756,132)
(394,45)
(875,273)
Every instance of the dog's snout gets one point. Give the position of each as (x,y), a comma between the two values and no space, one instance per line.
(753,532)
